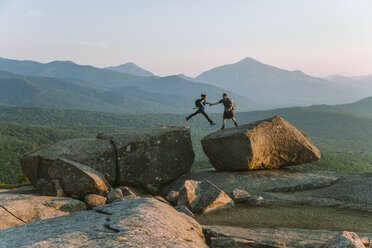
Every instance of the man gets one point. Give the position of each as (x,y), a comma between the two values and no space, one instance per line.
(201,109)
(228,109)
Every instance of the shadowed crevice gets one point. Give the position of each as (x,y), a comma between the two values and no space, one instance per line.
(117,169)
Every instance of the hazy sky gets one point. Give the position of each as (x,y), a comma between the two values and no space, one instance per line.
(319,37)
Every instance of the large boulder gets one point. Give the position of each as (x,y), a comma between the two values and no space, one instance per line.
(25,205)
(95,153)
(203,196)
(152,156)
(265,144)
(142,222)
(77,179)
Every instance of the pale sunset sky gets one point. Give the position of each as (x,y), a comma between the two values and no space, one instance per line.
(318,37)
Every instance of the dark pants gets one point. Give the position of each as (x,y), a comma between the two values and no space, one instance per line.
(198,112)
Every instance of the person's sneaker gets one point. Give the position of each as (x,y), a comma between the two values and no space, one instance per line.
(222,128)
(212,123)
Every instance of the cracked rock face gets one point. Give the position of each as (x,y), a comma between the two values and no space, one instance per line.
(266,144)
(23,206)
(141,222)
(95,153)
(152,156)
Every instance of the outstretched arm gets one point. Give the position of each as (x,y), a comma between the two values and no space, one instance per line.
(211,104)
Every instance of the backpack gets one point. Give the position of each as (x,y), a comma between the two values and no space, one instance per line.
(231,103)
(198,103)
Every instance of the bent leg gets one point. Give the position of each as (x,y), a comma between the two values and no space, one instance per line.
(190,116)
(206,116)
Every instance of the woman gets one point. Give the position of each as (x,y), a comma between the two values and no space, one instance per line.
(201,109)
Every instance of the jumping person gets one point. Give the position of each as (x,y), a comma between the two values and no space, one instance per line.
(200,104)
(228,109)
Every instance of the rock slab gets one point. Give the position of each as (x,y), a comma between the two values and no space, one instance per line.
(266,144)
(345,240)
(268,237)
(269,183)
(26,205)
(203,197)
(142,222)
(222,242)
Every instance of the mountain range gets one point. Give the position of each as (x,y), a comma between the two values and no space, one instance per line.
(363,83)
(128,88)
(259,81)
(64,84)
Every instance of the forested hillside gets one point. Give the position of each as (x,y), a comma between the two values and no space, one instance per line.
(18,139)
(345,139)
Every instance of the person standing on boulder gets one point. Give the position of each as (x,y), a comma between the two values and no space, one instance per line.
(200,104)
(228,109)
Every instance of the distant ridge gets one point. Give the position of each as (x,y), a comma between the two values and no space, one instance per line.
(159,94)
(68,69)
(141,96)
(333,76)
(362,83)
(257,80)
(131,68)
(186,77)
(330,77)
(259,86)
